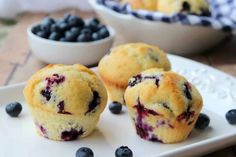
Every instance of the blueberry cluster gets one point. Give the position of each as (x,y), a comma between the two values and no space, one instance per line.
(71,28)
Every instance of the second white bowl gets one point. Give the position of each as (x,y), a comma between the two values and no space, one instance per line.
(55,52)
(173,38)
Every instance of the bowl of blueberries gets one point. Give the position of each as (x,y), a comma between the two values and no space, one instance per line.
(70,40)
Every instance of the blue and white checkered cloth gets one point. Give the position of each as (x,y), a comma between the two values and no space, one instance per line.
(223,15)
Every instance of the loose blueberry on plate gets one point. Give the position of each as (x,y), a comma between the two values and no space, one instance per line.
(123,151)
(203,122)
(115,107)
(13,109)
(231,116)
(84,152)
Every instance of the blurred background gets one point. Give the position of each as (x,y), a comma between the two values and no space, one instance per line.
(17,62)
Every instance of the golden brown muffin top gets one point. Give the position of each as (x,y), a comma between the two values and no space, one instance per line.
(164,92)
(66,89)
(127,60)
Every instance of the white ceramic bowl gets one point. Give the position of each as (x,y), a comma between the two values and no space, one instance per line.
(56,52)
(173,38)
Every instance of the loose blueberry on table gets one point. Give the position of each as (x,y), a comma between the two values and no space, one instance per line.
(13,109)
(123,151)
(115,107)
(231,116)
(84,152)
(71,28)
(203,122)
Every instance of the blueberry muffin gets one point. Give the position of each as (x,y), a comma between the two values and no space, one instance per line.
(127,60)
(163,106)
(197,7)
(142,4)
(65,101)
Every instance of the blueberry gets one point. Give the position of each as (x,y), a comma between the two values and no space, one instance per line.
(93,24)
(202,121)
(63,26)
(75,21)
(104,32)
(123,151)
(63,39)
(54,36)
(84,37)
(86,31)
(42,34)
(13,109)
(69,36)
(75,31)
(60,21)
(115,107)
(45,27)
(55,28)
(84,152)
(231,116)
(95,36)
(186,6)
(101,26)
(94,20)
(66,17)
(48,20)
(36,29)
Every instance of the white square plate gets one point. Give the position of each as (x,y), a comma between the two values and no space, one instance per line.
(18,137)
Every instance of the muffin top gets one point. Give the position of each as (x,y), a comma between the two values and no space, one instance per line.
(198,7)
(66,89)
(163,93)
(142,4)
(127,60)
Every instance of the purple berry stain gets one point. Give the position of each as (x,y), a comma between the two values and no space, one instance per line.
(139,78)
(187,90)
(164,123)
(50,82)
(142,111)
(72,134)
(143,130)
(187,115)
(46,93)
(61,108)
(94,103)
(42,129)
